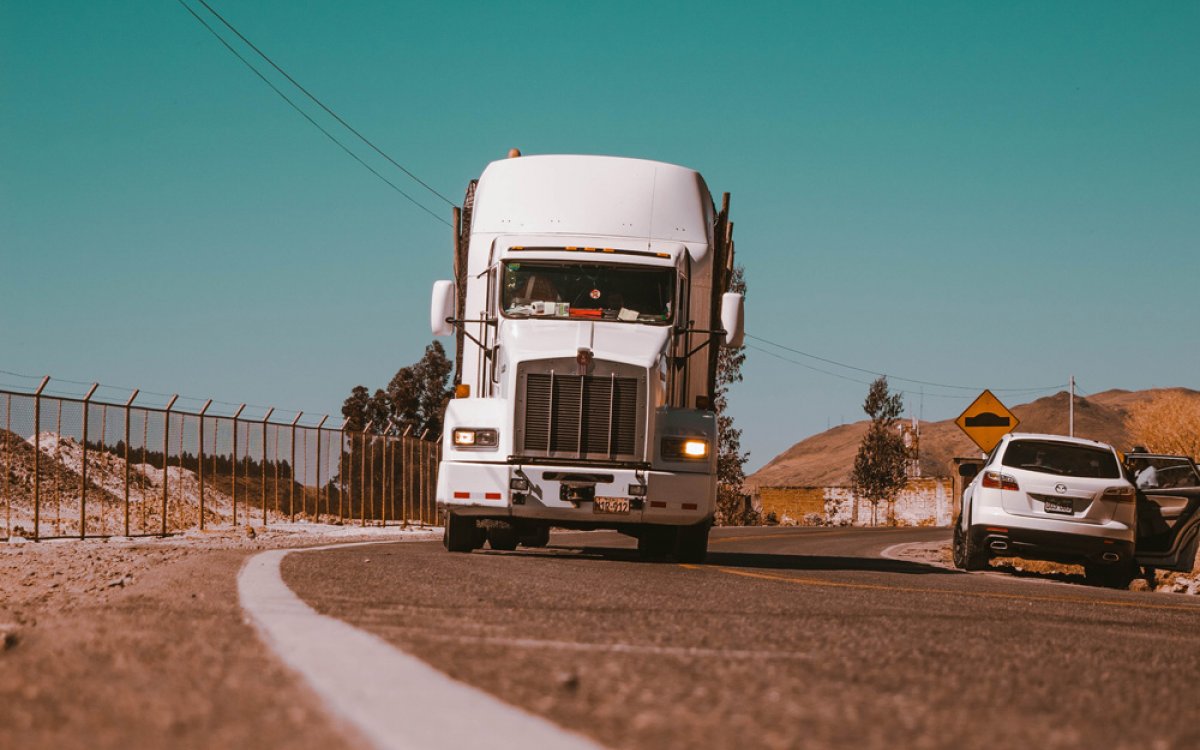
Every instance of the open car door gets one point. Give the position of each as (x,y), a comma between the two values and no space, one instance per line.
(1168,501)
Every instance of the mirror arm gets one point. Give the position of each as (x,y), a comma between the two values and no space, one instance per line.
(460,324)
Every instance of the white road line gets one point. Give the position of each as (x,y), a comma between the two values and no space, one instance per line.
(393,699)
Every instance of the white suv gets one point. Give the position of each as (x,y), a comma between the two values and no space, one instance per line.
(1050,497)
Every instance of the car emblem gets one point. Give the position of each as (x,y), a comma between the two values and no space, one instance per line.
(1060,488)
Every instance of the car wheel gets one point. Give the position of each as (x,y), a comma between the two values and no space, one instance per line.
(691,543)
(502,536)
(967,556)
(1110,575)
(460,533)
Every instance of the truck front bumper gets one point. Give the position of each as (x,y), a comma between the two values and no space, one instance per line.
(485,491)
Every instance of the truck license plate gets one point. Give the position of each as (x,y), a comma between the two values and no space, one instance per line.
(610,505)
(1059,506)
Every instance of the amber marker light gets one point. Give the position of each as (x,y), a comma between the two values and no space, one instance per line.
(695,449)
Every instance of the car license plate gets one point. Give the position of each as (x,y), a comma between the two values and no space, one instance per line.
(1059,506)
(610,505)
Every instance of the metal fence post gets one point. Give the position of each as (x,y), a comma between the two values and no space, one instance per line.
(304,474)
(343,470)
(264,464)
(83,464)
(362,478)
(236,414)
(424,461)
(128,408)
(292,471)
(7,461)
(166,456)
(317,509)
(37,459)
(276,469)
(200,455)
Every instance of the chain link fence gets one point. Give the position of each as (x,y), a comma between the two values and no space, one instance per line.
(87,460)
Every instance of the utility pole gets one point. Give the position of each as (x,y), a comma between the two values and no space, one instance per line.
(1071,410)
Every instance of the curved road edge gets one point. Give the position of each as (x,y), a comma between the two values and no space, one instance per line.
(393,699)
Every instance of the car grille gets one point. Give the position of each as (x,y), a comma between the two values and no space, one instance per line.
(580,416)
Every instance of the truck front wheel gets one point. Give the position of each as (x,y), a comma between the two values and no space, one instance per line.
(691,543)
(461,533)
(655,542)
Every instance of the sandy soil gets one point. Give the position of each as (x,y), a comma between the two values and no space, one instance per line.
(141,643)
(939,553)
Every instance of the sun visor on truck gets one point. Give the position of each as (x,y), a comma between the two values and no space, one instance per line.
(598,196)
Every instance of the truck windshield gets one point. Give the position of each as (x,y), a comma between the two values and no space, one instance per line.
(632,294)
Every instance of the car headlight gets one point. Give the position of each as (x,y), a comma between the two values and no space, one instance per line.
(685,448)
(475,437)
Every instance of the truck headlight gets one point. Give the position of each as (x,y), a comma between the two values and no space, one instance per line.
(684,449)
(475,437)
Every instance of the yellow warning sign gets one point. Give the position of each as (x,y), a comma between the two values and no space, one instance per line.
(987,420)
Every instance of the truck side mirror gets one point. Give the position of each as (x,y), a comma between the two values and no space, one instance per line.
(442,307)
(732,309)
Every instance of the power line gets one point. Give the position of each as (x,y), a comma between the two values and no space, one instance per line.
(897,377)
(305,115)
(321,104)
(845,377)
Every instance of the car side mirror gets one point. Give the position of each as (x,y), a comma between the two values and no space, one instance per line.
(442,307)
(732,311)
(968,471)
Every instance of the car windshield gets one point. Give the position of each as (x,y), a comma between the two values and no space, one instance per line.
(1065,459)
(632,294)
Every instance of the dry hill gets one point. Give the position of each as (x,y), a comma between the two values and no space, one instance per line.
(827,458)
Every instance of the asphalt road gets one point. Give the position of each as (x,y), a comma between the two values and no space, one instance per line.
(785,638)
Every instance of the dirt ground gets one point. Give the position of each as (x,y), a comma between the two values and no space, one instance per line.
(940,554)
(142,643)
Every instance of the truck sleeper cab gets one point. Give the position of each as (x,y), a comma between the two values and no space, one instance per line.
(589,300)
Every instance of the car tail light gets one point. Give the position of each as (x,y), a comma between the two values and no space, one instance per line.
(1124,494)
(996,480)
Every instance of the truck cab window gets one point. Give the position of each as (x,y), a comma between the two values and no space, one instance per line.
(626,293)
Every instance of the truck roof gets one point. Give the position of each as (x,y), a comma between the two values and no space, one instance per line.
(593,195)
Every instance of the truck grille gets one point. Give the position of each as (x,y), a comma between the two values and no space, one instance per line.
(580,416)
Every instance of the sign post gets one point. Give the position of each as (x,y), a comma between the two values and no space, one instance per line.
(987,420)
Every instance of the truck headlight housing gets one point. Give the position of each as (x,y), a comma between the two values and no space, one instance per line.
(475,437)
(685,448)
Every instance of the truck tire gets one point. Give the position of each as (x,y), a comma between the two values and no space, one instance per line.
(538,537)
(460,533)
(691,543)
(502,536)
(656,542)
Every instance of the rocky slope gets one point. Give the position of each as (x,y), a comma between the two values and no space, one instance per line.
(827,458)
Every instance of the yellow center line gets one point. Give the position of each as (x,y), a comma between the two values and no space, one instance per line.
(919,590)
(748,537)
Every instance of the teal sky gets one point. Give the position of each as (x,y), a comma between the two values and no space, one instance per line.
(977,194)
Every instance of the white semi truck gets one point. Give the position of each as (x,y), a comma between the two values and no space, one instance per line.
(589,301)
